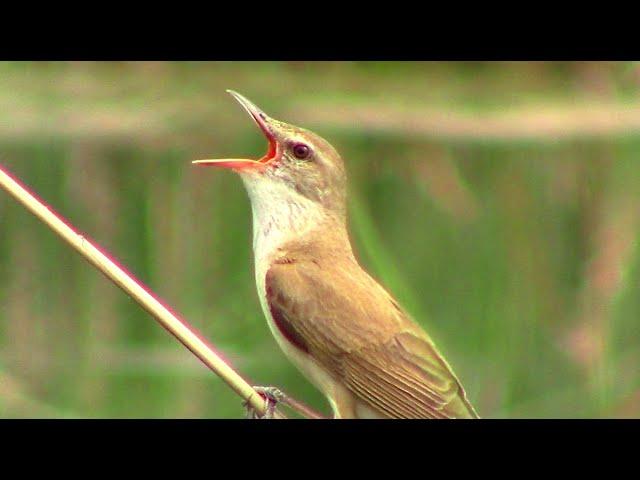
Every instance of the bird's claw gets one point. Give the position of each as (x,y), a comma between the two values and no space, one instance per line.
(272,396)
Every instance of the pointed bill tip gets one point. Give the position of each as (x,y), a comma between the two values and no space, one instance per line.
(247,104)
(237,95)
(233,93)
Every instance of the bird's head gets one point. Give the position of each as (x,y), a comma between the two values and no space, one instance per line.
(298,166)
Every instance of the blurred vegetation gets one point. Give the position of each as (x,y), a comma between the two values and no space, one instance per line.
(498,201)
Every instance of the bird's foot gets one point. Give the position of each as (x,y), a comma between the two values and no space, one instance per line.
(272,396)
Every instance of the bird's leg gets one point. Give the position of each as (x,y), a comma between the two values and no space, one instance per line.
(273,396)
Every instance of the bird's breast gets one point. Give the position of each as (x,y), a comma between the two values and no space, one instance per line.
(293,346)
(288,340)
(281,322)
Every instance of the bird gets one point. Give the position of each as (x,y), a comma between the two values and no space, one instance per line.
(340,327)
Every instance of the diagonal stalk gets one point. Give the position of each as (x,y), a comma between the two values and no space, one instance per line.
(118,275)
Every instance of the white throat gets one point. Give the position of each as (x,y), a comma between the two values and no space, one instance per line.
(279,214)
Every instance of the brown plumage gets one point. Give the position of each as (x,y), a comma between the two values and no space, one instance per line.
(334,322)
(351,326)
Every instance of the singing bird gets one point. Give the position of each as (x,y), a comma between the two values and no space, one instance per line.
(339,326)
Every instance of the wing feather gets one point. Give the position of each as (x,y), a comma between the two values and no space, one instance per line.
(358,333)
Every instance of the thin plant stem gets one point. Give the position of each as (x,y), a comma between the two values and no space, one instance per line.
(118,275)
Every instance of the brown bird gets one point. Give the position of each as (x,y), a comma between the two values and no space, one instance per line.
(343,330)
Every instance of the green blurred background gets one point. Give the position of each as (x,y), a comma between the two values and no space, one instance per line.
(498,201)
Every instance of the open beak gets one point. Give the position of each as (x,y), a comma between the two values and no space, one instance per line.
(264,122)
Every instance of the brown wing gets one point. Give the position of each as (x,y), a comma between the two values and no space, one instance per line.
(354,329)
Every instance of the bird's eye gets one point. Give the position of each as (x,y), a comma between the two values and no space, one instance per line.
(301,151)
